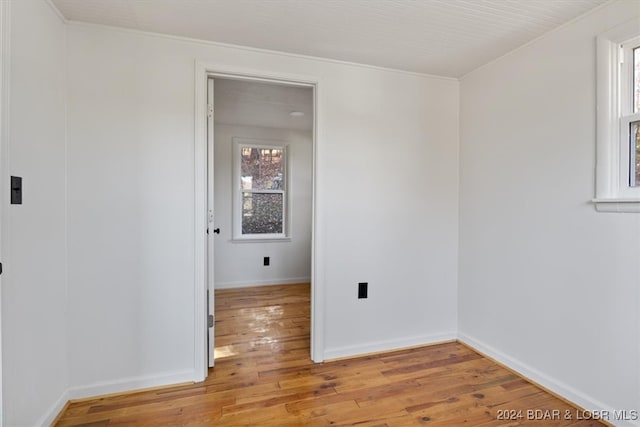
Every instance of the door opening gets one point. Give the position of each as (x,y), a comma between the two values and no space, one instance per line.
(260,187)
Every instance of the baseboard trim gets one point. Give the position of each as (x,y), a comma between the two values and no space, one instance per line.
(388,345)
(104,389)
(269,282)
(558,388)
(52,415)
(130,385)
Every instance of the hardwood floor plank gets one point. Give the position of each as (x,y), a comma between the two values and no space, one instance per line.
(264,376)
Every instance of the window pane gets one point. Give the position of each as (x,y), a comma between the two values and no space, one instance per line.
(262,213)
(262,168)
(636,80)
(634,178)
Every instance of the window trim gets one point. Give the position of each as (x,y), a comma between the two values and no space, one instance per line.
(613,193)
(236,209)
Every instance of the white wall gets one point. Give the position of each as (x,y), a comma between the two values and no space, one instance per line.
(387,202)
(34,305)
(241,264)
(547,284)
(130,204)
(388,168)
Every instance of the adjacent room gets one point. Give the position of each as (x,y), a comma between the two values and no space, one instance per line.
(319,212)
(262,173)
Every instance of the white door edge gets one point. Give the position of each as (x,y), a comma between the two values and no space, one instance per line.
(210,226)
(4,151)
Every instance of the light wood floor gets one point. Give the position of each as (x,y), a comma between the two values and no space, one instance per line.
(263,377)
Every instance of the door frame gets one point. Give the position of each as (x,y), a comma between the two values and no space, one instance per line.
(5,29)
(204,70)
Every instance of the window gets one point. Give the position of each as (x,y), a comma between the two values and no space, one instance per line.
(618,120)
(630,109)
(260,188)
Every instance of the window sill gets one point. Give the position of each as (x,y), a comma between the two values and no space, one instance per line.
(257,240)
(617,205)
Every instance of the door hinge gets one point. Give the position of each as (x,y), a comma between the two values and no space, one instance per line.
(620,55)
(210,321)
(209,110)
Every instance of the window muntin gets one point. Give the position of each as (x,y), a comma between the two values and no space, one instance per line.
(259,190)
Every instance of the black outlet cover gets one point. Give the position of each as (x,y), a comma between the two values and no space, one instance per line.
(266,260)
(16,190)
(362,290)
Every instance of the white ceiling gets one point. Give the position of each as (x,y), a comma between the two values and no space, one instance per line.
(439,37)
(243,102)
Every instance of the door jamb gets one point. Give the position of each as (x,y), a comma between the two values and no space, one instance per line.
(202,72)
(5,31)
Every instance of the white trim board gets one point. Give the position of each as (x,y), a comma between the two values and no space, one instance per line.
(130,384)
(54,411)
(127,385)
(360,350)
(5,69)
(57,12)
(552,384)
(204,70)
(269,282)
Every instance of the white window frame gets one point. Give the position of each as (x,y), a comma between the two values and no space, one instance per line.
(614,114)
(238,144)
